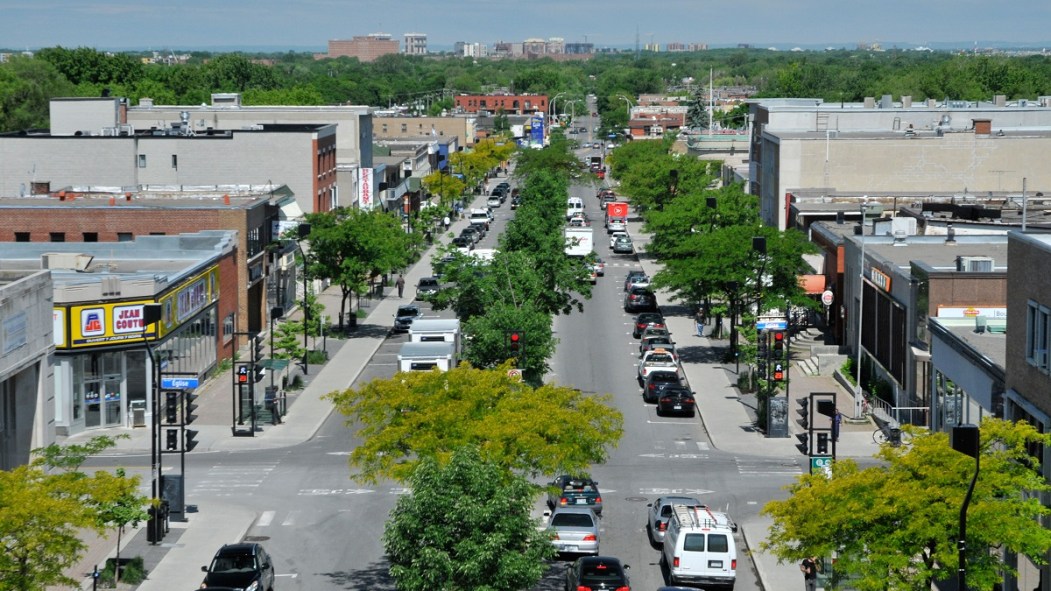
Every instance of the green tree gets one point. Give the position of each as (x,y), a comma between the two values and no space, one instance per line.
(895,526)
(287,340)
(419,415)
(128,508)
(446,186)
(26,89)
(44,506)
(465,525)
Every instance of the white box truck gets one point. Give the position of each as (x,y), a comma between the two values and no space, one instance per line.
(580,242)
(436,330)
(427,356)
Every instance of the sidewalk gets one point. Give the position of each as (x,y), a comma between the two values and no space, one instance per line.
(729,416)
(177,560)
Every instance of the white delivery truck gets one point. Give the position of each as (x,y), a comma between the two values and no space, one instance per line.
(580,242)
(427,356)
(699,548)
(436,330)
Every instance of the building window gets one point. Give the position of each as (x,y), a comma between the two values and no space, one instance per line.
(125,237)
(157,234)
(91,236)
(58,236)
(404,127)
(228,328)
(142,161)
(21,236)
(1037,335)
(384,128)
(175,161)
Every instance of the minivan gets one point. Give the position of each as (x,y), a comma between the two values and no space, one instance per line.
(699,548)
(575,205)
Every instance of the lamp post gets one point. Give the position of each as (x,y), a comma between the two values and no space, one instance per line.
(151,313)
(304,232)
(858,392)
(965,439)
(554,109)
(627,108)
(733,286)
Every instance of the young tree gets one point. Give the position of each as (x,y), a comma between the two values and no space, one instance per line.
(418,415)
(896,525)
(43,507)
(124,509)
(465,525)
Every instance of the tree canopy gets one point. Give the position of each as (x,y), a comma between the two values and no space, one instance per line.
(895,526)
(529,430)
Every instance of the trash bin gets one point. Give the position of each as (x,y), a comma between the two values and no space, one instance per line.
(895,436)
(138,413)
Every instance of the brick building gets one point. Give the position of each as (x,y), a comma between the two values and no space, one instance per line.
(366,48)
(512,104)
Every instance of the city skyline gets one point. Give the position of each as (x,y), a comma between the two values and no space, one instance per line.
(309,24)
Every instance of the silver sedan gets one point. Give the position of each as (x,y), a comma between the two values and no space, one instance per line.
(660,512)
(574,530)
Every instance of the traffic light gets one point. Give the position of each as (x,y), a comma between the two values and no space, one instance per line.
(171,407)
(515,343)
(763,346)
(760,367)
(171,439)
(190,440)
(242,374)
(258,345)
(188,407)
(779,371)
(779,344)
(258,371)
(822,444)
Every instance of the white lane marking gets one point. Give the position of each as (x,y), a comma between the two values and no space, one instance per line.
(321,492)
(676,456)
(680,445)
(265,519)
(703,446)
(674,491)
(291,518)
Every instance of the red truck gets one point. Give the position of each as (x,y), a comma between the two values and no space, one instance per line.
(616,216)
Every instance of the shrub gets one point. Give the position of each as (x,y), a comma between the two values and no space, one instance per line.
(132,572)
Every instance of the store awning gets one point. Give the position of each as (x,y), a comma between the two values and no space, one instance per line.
(812,284)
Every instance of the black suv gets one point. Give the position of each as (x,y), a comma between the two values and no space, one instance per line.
(656,382)
(240,566)
(404,316)
(639,299)
(597,573)
(428,287)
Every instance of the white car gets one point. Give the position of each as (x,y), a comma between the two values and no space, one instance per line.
(658,360)
(613,237)
(493,201)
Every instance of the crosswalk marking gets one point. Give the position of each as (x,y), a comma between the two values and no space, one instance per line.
(266,518)
(229,480)
(760,466)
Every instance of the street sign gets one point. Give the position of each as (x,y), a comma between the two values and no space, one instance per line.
(179,383)
(821,465)
(826,297)
(771,324)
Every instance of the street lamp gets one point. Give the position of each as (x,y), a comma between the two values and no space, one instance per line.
(733,286)
(627,109)
(152,313)
(554,110)
(303,232)
(861,300)
(965,439)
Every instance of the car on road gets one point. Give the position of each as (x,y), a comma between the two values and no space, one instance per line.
(623,245)
(676,401)
(404,316)
(639,299)
(656,382)
(242,566)
(598,266)
(575,491)
(616,225)
(614,236)
(638,281)
(578,221)
(631,278)
(493,201)
(657,360)
(574,530)
(515,201)
(474,231)
(645,319)
(660,512)
(656,341)
(427,288)
(595,573)
(464,244)
(655,331)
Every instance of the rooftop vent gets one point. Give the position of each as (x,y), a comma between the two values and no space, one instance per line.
(971,264)
(69,261)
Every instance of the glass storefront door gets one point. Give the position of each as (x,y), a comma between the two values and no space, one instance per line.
(92,404)
(111,414)
(101,379)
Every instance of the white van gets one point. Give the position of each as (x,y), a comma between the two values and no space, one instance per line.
(480,217)
(699,548)
(574,206)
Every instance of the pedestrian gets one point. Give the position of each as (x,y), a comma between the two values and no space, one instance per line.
(699,320)
(837,418)
(401,285)
(809,568)
(446,221)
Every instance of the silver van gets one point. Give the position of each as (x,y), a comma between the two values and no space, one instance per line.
(699,548)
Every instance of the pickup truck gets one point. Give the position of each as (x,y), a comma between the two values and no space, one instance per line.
(480,217)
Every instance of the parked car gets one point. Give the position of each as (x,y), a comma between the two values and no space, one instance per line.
(596,573)
(474,232)
(427,288)
(614,236)
(599,266)
(639,281)
(655,331)
(493,201)
(639,299)
(616,225)
(660,512)
(574,530)
(632,275)
(404,316)
(676,401)
(657,360)
(647,319)
(623,245)
(463,243)
(242,566)
(578,491)
(655,341)
(656,382)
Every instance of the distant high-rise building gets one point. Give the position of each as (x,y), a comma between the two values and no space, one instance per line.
(458,47)
(580,48)
(676,47)
(415,43)
(475,50)
(697,47)
(366,48)
(555,45)
(534,47)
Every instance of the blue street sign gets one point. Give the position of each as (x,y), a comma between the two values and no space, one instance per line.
(771,325)
(179,383)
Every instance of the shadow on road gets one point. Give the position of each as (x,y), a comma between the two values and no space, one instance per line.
(373,578)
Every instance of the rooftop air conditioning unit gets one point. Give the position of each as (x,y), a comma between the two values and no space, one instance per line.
(974,264)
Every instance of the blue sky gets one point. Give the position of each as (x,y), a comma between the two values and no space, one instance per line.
(301,24)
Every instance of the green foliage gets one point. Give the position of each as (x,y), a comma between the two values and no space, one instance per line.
(124,509)
(465,525)
(45,505)
(132,572)
(288,338)
(26,88)
(529,430)
(895,525)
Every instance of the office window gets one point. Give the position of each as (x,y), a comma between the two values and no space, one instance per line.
(142,161)
(58,236)
(125,237)
(21,236)
(1037,335)
(91,236)
(175,161)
